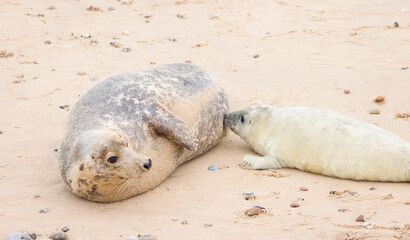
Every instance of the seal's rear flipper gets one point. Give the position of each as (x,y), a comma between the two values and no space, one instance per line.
(165,123)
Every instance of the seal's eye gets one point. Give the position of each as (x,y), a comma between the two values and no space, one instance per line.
(242,119)
(113,159)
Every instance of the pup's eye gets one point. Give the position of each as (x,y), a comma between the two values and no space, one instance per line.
(242,119)
(113,159)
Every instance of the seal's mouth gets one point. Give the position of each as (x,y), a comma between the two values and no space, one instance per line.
(227,121)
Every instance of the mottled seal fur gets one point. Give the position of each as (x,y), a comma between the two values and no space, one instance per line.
(126,134)
(321,141)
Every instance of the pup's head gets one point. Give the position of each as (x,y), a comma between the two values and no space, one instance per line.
(241,121)
(105,165)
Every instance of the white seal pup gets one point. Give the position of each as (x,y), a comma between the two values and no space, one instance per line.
(126,134)
(322,142)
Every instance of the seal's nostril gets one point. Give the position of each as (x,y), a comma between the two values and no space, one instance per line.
(148,165)
(149,162)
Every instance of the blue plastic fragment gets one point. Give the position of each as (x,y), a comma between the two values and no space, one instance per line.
(213,168)
(259,207)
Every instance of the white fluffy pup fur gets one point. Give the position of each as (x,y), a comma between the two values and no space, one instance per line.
(322,142)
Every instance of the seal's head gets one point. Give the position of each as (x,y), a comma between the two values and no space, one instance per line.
(105,166)
(240,122)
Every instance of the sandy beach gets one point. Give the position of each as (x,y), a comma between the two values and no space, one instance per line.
(336,55)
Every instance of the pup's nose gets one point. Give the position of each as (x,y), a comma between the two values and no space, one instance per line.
(148,165)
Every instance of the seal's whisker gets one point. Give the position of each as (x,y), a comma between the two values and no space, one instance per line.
(122,185)
(126,184)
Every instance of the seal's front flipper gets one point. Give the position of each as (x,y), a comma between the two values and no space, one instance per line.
(165,123)
(265,162)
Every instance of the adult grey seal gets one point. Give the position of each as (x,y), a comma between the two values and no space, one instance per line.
(320,141)
(126,134)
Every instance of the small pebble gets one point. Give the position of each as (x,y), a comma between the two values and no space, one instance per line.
(262,208)
(379,99)
(368,225)
(343,210)
(360,218)
(44,210)
(403,115)
(94,41)
(40,15)
(404,68)
(65,229)
(249,195)
(303,189)
(202,44)
(372,188)
(184,222)
(51,8)
(80,73)
(253,211)
(64,106)
(346,91)
(152,63)
(18,236)
(126,49)
(188,61)
(338,193)
(5,54)
(48,42)
(126,33)
(111,9)
(294,205)
(213,168)
(256,56)
(396,24)
(126,2)
(1,131)
(85,35)
(147,237)
(208,225)
(58,235)
(37,196)
(374,111)
(407,202)
(116,44)
(93,9)
(53,70)
(146,21)
(17,81)
(33,236)
(332,192)
(180,16)
(20,76)
(352,193)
